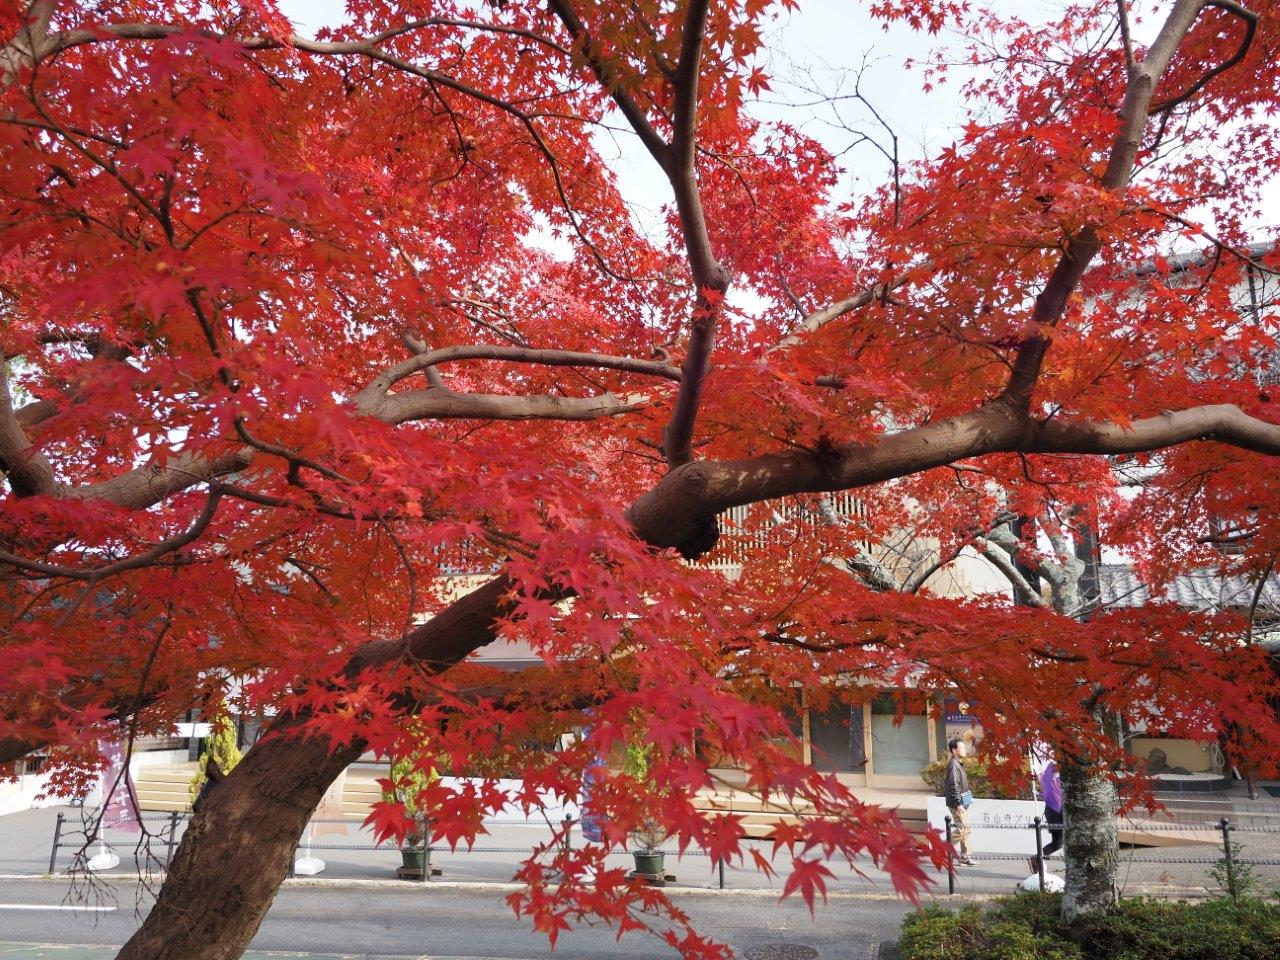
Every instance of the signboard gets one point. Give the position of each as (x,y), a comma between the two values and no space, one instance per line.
(998,826)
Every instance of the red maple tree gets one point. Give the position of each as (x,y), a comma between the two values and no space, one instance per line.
(282,357)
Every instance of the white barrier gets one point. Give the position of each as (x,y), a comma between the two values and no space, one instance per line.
(1007,823)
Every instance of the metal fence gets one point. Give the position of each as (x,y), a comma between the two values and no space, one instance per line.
(1201,858)
(1185,857)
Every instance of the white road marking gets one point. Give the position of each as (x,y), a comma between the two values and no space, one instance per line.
(54,906)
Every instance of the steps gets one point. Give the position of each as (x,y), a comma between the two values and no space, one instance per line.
(164,788)
(359,794)
(760,817)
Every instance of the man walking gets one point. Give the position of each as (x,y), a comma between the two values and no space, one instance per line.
(956,790)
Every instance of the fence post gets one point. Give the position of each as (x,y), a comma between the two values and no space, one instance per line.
(426,850)
(951,870)
(173,831)
(57,835)
(1039,852)
(721,865)
(1225,824)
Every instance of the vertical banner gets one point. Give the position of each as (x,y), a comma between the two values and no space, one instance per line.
(119,801)
(591,826)
(330,808)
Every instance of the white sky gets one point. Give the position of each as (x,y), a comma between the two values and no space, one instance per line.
(823,38)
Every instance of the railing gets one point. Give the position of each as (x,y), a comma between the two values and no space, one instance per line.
(1214,855)
(1233,873)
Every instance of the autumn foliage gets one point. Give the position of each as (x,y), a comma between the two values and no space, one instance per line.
(298,330)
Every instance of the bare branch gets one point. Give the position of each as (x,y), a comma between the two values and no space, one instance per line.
(820,318)
(1002,561)
(1126,38)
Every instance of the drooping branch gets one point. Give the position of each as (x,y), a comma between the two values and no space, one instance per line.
(378,388)
(146,558)
(1250,19)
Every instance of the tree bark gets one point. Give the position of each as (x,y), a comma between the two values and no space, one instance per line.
(1092,844)
(237,850)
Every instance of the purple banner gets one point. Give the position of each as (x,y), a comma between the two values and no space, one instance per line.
(119,802)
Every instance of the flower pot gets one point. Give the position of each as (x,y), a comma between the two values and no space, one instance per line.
(649,863)
(414,858)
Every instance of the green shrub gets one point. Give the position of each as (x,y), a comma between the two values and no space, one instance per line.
(935,775)
(972,934)
(1028,927)
(221,746)
(1158,930)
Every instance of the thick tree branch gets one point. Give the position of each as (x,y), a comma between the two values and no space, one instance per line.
(436,403)
(999,557)
(28,470)
(678,507)
(656,146)
(1081,248)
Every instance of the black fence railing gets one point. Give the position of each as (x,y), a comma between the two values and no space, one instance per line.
(1194,858)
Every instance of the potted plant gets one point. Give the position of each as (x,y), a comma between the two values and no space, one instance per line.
(649,835)
(407,781)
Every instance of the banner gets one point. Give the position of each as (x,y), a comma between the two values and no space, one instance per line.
(119,801)
(330,808)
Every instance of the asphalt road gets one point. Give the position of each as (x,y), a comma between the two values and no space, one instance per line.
(408,921)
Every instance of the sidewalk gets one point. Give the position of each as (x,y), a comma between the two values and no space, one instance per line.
(26,839)
(54,951)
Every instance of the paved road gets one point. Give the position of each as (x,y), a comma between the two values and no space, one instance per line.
(409,921)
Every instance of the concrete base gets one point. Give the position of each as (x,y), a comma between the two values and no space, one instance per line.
(104,859)
(652,879)
(408,873)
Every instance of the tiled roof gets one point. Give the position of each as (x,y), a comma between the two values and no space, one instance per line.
(1199,590)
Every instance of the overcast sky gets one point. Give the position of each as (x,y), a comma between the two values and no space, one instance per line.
(823,37)
(819,41)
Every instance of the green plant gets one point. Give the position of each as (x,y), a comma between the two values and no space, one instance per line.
(649,834)
(408,782)
(935,775)
(1236,879)
(972,934)
(221,747)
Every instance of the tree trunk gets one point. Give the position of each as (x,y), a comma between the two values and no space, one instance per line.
(1092,844)
(237,850)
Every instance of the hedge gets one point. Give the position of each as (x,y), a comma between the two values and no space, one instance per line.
(1028,927)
